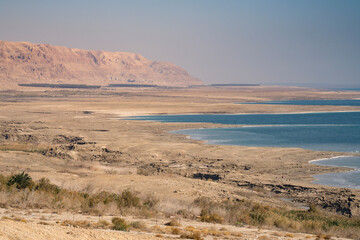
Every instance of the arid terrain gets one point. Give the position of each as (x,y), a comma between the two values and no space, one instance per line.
(27,63)
(80,141)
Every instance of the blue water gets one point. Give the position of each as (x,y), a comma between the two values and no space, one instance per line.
(347,102)
(342,138)
(336,118)
(338,131)
(349,179)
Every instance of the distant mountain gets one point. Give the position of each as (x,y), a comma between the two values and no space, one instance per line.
(25,63)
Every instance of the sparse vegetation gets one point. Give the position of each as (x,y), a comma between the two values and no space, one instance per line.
(312,221)
(20,191)
(119,224)
(192,235)
(21,181)
(207,215)
(23,148)
(82,224)
(139,225)
(102,224)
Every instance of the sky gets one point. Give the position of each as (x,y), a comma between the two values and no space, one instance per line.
(288,42)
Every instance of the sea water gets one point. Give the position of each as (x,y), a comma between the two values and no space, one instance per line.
(336,131)
(345,102)
(350,179)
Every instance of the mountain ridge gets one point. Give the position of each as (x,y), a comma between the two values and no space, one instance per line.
(24,63)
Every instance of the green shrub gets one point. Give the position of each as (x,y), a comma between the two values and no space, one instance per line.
(259,213)
(44,185)
(129,199)
(21,180)
(119,224)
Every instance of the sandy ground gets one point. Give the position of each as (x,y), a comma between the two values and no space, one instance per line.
(144,156)
(34,227)
(11,230)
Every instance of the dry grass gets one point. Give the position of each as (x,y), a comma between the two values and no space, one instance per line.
(24,148)
(251,213)
(192,235)
(44,195)
(102,224)
(82,224)
(289,235)
(139,225)
(264,237)
(175,231)
(157,229)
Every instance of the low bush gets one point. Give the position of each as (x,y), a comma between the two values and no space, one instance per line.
(139,225)
(119,224)
(21,180)
(207,216)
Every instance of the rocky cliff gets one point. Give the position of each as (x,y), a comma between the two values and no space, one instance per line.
(23,62)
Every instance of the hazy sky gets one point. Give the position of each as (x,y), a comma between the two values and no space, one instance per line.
(299,42)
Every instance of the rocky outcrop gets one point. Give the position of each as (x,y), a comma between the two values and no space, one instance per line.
(25,63)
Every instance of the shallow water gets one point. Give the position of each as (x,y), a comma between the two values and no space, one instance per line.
(338,131)
(325,118)
(340,138)
(349,179)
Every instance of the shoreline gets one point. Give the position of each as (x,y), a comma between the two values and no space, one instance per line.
(324,159)
(338,174)
(225,126)
(339,168)
(145,156)
(202,113)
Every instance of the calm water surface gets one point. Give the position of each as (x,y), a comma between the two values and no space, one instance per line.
(315,131)
(349,179)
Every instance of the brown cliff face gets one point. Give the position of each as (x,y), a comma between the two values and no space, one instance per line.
(22,62)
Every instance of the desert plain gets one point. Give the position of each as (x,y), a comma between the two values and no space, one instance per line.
(80,140)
